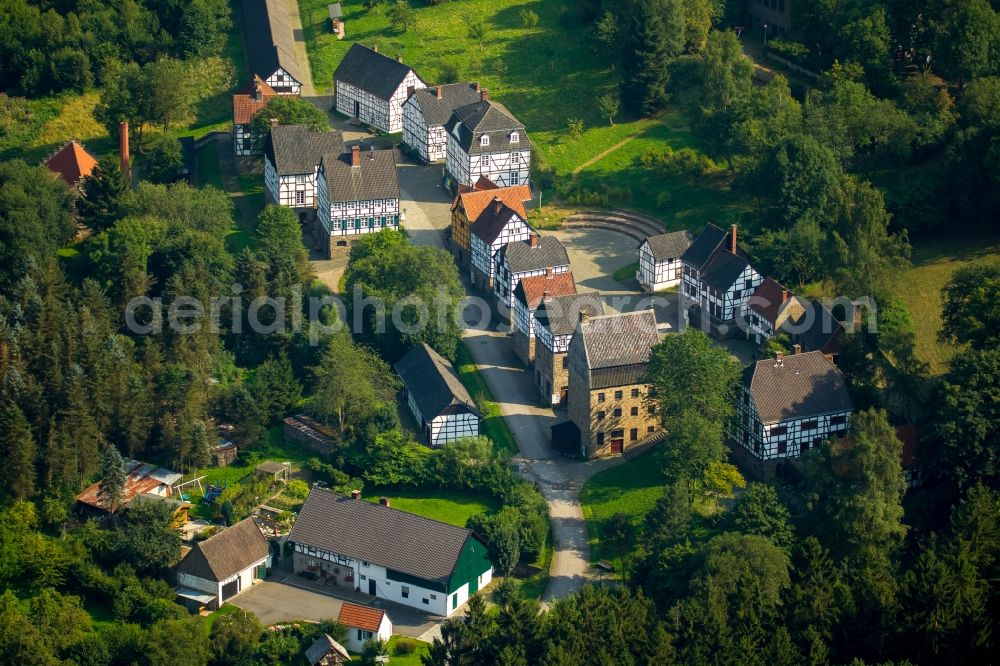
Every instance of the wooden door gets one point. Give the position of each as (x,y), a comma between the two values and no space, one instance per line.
(617,444)
(371,586)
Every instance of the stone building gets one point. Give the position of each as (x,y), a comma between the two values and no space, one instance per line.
(555,322)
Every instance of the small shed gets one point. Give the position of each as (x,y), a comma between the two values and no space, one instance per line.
(309,433)
(337,19)
(278,471)
(326,652)
(224,453)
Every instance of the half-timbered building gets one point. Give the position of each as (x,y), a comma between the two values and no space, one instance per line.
(787,405)
(440,403)
(484,139)
(607,399)
(818,330)
(357,194)
(769,309)
(291,164)
(717,278)
(390,554)
(528,295)
(555,321)
(660,260)
(372,87)
(497,225)
(271,44)
(425,113)
(520,259)
(469,204)
(247,101)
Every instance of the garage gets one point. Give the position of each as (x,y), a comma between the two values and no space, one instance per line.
(230,590)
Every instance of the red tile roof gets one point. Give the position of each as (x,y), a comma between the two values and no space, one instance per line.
(535,287)
(476,201)
(72,162)
(360,617)
(245,104)
(140,478)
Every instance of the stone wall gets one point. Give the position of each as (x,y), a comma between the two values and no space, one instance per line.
(524,347)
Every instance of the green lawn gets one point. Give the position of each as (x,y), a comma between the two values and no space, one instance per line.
(626,274)
(494,425)
(920,289)
(454,507)
(412,659)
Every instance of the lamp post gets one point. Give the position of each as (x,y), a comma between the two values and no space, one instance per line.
(765,37)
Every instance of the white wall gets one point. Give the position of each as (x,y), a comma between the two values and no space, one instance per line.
(354,643)
(450,427)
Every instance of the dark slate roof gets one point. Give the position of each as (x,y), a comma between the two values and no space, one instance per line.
(371,71)
(702,248)
(432,381)
(453,95)
(394,539)
(492,221)
(295,149)
(375,178)
(669,246)
(486,117)
(822,327)
(623,375)
(561,315)
(270,38)
(615,340)
(223,555)
(520,257)
(324,645)
(722,269)
(797,386)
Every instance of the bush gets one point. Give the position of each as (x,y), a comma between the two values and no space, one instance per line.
(404,647)
(793,51)
(297,489)
(663,200)
(685,162)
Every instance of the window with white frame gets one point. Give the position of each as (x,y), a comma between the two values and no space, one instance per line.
(484,140)
(300,197)
(514,137)
(484,162)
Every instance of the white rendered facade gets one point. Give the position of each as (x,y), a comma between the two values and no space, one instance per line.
(505,168)
(230,587)
(356,637)
(656,275)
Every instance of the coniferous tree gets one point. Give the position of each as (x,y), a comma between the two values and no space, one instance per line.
(652,33)
(100,203)
(17,451)
(111,488)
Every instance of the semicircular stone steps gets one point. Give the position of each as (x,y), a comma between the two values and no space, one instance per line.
(630,223)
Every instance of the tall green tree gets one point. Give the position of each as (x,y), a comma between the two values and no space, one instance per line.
(967,39)
(100,203)
(111,488)
(651,33)
(970,312)
(17,450)
(759,511)
(287,110)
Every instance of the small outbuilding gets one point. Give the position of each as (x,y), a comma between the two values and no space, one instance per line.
(337,20)
(308,432)
(224,453)
(660,260)
(440,403)
(326,652)
(364,622)
(220,567)
(278,471)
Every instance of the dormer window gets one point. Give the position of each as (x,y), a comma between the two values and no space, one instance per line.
(514,137)
(484,140)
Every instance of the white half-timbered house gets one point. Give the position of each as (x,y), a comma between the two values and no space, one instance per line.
(390,554)
(520,259)
(555,321)
(291,164)
(484,139)
(222,566)
(787,405)
(246,103)
(771,309)
(426,112)
(372,88)
(716,277)
(497,225)
(440,403)
(528,295)
(357,194)
(660,260)
(271,43)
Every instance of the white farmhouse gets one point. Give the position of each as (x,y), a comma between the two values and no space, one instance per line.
(271,45)
(787,405)
(357,194)
(222,566)
(660,260)
(389,554)
(291,164)
(497,225)
(247,101)
(426,112)
(438,400)
(363,623)
(485,139)
(716,278)
(372,88)
(536,256)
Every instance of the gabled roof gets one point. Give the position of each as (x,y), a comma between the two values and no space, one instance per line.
(227,553)
(371,71)
(468,123)
(495,216)
(140,478)
(373,178)
(722,269)
(617,340)
(562,314)
(323,646)
(397,540)
(296,149)
(531,290)
(365,618)
(475,201)
(522,257)
(437,110)
(246,102)
(72,162)
(709,242)
(270,38)
(823,329)
(432,382)
(797,386)
(669,246)
(775,303)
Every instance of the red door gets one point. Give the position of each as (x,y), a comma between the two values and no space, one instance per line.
(617,444)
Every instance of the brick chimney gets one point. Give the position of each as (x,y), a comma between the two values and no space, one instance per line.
(356,494)
(258,92)
(476,84)
(355,155)
(778,356)
(498,205)
(584,316)
(274,123)
(732,240)
(796,349)
(546,295)
(123,154)
(484,95)
(439,92)
(784,296)
(549,273)
(384,501)
(533,240)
